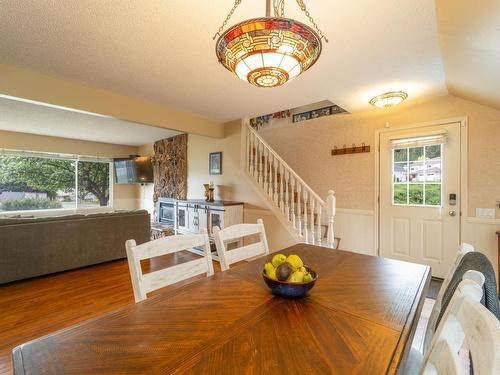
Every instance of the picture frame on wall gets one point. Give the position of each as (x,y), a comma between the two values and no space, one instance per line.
(215,163)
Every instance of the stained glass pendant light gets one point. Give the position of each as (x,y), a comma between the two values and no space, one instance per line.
(269,51)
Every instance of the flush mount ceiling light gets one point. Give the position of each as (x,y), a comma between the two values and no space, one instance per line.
(269,51)
(389,99)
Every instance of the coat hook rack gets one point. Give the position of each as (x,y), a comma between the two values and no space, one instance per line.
(350,150)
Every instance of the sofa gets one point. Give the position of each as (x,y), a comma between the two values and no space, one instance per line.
(35,246)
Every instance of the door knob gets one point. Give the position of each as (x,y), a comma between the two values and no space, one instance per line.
(452,213)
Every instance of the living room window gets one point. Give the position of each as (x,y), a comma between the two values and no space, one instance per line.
(42,181)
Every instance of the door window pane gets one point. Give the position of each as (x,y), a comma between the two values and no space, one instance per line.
(400,155)
(400,193)
(416,194)
(416,153)
(416,171)
(33,183)
(93,184)
(417,175)
(433,194)
(400,172)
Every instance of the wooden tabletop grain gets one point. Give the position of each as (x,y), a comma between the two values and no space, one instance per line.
(359,318)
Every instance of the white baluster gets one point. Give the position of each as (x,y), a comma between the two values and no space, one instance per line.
(272,182)
(287,198)
(259,162)
(282,180)
(319,234)
(292,199)
(299,211)
(330,212)
(305,231)
(254,152)
(312,233)
(247,161)
(265,180)
(275,176)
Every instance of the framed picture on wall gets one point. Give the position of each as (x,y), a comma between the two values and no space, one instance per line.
(215,163)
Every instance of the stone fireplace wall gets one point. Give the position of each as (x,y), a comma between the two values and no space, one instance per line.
(170,168)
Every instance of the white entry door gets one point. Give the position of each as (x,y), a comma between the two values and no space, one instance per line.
(420,195)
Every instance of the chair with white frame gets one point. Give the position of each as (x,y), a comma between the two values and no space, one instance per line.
(436,309)
(465,320)
(237,232)
(145,283)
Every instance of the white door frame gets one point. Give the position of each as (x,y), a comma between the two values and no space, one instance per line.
(463,194)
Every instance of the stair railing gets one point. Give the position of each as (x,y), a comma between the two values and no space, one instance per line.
(298,203)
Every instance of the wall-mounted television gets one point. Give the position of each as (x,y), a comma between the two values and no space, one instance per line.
(136,170)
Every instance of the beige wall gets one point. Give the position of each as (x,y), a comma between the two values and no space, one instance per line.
(306,147)
(124,196)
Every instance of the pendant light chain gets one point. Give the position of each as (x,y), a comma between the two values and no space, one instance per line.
(308,15)
(236,3)
(279,8)
(279,11)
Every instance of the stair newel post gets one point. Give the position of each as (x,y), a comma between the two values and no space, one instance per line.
(330,212)
(286,176)
(305,232)
(312,233)
(299,208)
(292,199)
(319,230)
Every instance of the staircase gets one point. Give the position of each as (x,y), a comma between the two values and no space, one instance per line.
(307,217)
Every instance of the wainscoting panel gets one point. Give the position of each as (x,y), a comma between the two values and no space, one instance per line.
(481,234)
(356,228)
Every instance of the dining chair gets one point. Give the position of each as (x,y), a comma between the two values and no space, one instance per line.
(465,322)
(144,283)
(237,232)
(414,361)
(436,308)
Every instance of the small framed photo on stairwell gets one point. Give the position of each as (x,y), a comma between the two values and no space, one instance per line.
(215,163)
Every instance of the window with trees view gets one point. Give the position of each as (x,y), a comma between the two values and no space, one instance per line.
(417,175)
(51,182)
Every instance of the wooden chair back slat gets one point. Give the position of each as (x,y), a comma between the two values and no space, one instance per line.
(145,283)
(237,232)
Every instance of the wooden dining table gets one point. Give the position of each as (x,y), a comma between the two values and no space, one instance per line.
(359,318)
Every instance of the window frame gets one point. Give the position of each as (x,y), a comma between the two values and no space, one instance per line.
(71,157)
(423,183)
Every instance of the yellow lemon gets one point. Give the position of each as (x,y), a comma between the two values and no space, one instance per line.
(308,278)
(278,260)
(271,273)
(295,261)
(297,277)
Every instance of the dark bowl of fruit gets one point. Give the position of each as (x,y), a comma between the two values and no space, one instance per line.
(288,276)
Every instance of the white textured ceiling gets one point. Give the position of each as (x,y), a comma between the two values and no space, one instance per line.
(32,118)
(470,41)
(163,51)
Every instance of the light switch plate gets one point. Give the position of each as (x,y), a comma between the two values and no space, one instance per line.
(485,213)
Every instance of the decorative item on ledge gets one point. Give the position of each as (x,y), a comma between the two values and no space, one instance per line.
(326,111)
(209,191)
(350,150)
